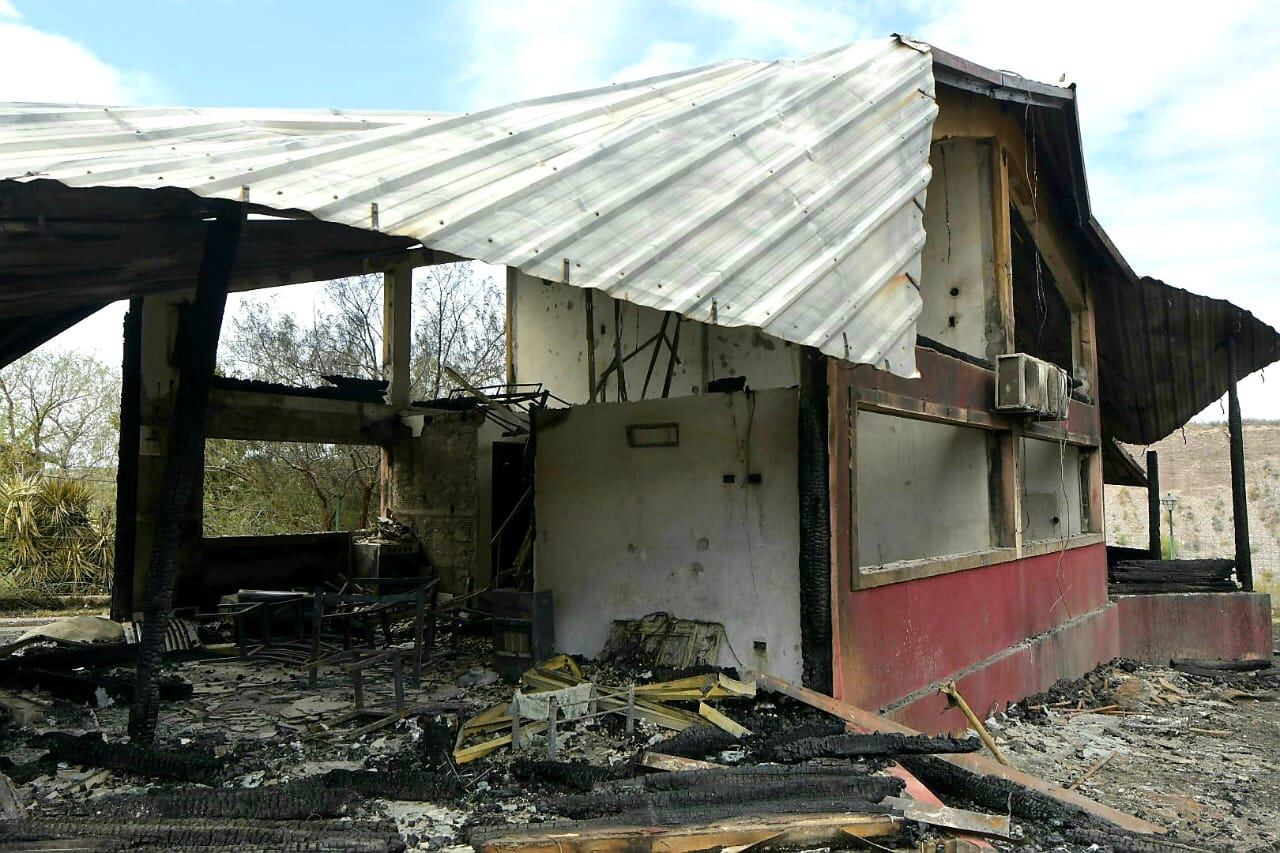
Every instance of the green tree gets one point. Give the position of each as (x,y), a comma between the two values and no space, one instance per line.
(60,413)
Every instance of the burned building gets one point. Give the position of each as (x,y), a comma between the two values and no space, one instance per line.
(830,353)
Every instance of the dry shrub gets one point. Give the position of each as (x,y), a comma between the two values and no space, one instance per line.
(51,537)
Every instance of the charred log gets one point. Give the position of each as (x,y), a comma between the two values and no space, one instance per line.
(90,750)
(870,745)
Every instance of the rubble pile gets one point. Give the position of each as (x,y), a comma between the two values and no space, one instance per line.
(580,756)
(1196,753)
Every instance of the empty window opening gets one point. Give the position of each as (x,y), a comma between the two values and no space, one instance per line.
(1042,318)
(922,489)
(256,488)
(322,334)
(1052,499)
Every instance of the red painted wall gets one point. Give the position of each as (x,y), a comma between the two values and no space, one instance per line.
(899,638)
(1025,669)
(1204,625)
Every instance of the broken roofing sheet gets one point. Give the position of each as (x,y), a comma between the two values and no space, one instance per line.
(784,195)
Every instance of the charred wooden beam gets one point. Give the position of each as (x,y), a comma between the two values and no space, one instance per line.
(184,466)
(127,467)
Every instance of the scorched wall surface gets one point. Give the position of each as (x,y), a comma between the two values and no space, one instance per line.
(626,531)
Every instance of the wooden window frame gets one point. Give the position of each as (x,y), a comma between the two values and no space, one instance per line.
(957,392)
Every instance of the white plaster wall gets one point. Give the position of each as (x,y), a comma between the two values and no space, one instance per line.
(623,531)
(1051,490)
(922,489)
(958,247)
(550,346)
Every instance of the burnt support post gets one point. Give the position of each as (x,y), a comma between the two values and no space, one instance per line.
(814,486)
(1239,500)
(127,466)
(397,332)
(1153,502)
(196,352)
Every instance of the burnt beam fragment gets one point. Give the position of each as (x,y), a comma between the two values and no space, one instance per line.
(732,791)
(90,750)
(871,745)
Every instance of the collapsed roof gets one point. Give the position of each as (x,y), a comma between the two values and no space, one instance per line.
(786,196)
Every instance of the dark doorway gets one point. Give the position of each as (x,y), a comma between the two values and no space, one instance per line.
(512,509)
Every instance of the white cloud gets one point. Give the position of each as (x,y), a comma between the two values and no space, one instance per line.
(525,48)
(42,66)
(768,29)
(660,58)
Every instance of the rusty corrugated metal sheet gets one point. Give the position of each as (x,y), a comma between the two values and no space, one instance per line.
(787,196)
(1162,354)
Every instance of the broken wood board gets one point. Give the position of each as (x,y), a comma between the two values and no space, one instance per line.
(461,755)
(970,762)
(916,790)
(657,713)
(788,830)
(675,763)
(715,685)
(950,818)
(662,640)
(722,722)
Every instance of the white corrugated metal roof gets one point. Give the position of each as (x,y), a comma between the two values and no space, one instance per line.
(786,196)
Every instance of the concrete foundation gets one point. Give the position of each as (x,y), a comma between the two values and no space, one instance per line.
(1199,625)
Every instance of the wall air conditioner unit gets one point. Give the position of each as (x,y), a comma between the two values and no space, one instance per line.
(1031,386)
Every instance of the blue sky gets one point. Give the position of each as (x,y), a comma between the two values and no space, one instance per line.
(1179,131)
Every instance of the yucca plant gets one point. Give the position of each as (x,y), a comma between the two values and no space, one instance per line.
(52,537)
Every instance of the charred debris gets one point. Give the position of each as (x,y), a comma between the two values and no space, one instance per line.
(401,734)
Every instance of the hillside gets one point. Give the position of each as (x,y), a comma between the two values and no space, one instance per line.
(1195,466)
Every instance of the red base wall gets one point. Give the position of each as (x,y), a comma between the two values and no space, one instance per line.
(1202,626)
(1001,631)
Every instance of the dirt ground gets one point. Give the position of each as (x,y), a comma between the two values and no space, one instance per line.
(1198,755)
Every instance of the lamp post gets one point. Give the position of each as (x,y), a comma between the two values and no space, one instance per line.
(1170,502)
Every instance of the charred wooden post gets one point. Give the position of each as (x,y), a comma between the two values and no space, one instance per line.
(618,361)
(184,465)
(397,331)
(591,343)
(127,467)
(1153,503)
(1239,500)
(813,432)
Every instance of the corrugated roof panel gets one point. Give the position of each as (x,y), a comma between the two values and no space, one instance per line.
(786,196)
